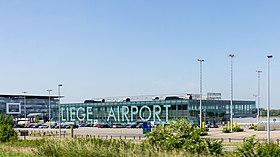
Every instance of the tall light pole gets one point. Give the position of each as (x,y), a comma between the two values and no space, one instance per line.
(200,102)
(49,90)
(259,95)
(256,96)
(59,122)
(268,97)
(231,90)
(24,107)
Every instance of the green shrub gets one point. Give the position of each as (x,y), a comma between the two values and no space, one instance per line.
(226,130)
(248,148)
(251,148)
(237,129)
(204,133)
(269,150)
(215,147)
(252,127)
(7,132)
(181,135)
(36,120)
(6,119)
(205,129)
(255,127)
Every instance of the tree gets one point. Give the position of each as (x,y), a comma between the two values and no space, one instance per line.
(36,120)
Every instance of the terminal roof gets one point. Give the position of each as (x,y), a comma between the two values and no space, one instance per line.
(29,96)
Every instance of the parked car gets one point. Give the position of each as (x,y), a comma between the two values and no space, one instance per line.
(140,125)
(52,126)
(117,126)
(36,125)
(43,126)
(103,126)
(88,125)
(98,125)
(132,126)
(81,125)
(213,126)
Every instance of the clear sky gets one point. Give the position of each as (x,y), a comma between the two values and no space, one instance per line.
(113,48)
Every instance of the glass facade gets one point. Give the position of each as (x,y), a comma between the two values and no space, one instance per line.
(158,111)
(33,104)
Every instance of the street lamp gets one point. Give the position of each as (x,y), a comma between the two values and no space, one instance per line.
(259,94)
(231,90)
(200,102)
(49,90)
(24,107)
(256,96)
(59,122)
(268,97)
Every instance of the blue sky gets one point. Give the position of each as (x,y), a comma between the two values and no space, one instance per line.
(116,48)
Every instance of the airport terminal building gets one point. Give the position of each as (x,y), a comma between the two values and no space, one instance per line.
(129,110)
(158,111)
(19,104)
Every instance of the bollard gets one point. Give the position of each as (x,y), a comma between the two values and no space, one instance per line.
(277,141)
(120,137)
(229,140)
(134,137)
(139,138)
(125,137)
(243,139)
(71,131)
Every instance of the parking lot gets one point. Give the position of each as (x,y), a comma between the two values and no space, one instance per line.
(133,133)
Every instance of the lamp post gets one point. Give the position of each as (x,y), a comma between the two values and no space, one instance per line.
(259,95)
(24,107)
(200,102)
(49,90)
(231,90)
(256,96)
(59,122)
(268,97)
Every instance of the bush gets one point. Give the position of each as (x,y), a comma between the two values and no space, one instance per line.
(237,129)
(6,119)
(203,133)
(205,129)
(251,148)
(248,148)
(7,132)
(253,127)
(181,135)
(226,130)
